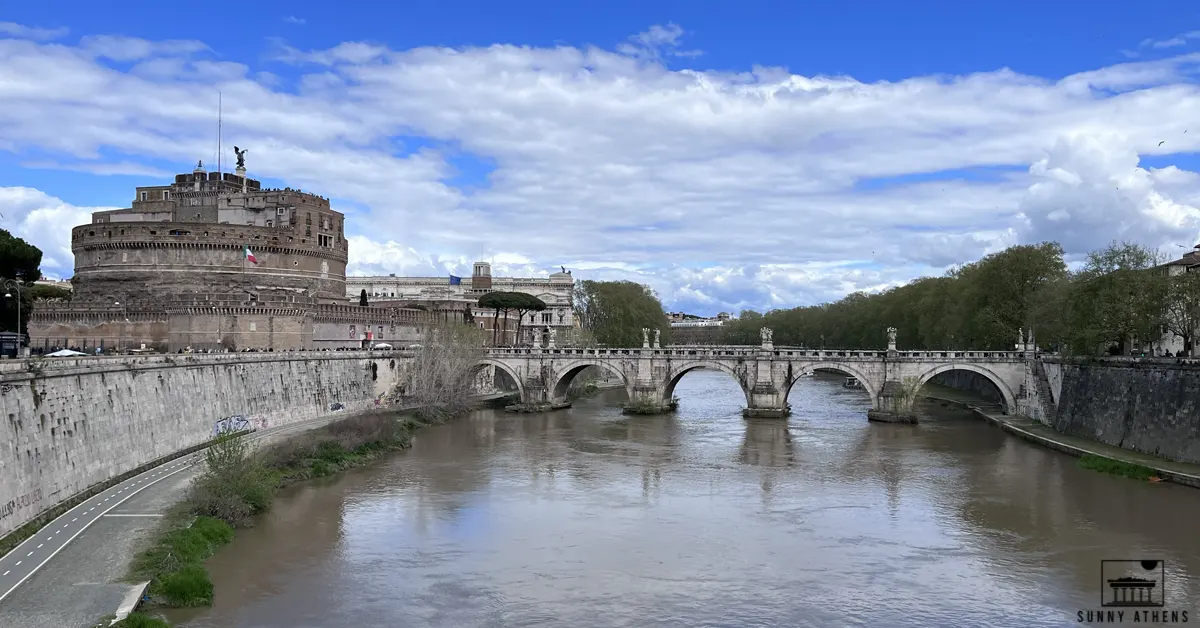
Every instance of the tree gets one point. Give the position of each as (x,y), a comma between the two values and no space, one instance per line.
(49,293)
(362,298)
(20,262)
(1115,299)
(504,302)
(1181,311)
(439,379)
(615,312)
(526,303)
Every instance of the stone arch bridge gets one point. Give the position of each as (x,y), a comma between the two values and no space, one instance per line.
(765,373)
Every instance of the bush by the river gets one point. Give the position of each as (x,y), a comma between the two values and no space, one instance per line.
(141,620)
(174,564)
(1117,467)
(238,483)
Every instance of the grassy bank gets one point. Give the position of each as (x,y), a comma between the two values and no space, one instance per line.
(237,484)
(1117,467)
(141,620)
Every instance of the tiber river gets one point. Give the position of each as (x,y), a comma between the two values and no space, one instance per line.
(587,518)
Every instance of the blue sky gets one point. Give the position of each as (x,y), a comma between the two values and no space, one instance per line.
(730,155)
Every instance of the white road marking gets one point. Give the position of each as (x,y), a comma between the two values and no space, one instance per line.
(77,533)
(39,546)
(131,514)
(8,572)
(18,564)
(75,519)
(29,554)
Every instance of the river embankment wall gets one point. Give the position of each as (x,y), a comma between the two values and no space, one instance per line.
(1151,406)
(74,423)
(1147,405)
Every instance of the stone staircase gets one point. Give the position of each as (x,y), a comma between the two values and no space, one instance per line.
(1045,400)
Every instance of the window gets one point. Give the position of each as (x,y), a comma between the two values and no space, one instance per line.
(547,317)
(270,223)
(561,316)
(166,195)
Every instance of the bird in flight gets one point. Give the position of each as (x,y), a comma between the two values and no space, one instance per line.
(1162,142)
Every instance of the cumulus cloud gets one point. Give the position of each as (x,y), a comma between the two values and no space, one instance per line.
(44,221)
(291,19)
(721,190)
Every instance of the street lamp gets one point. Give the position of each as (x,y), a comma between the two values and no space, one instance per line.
(124,319)
(10,284)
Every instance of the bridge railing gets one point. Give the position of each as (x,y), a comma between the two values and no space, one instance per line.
(727,351)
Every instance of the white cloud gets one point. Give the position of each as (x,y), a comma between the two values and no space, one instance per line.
(20,31)
(119,168)
(1171,42)
(720,190)
(291,19)
(45,222)
(119,48)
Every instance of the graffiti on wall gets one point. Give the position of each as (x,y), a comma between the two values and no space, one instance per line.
(232,425)
(336,406)
(28,499)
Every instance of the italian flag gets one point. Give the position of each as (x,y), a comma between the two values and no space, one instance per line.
(249,255)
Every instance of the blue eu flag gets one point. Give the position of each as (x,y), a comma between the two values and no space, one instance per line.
(455,281)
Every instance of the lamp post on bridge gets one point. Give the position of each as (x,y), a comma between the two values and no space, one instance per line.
(10,284)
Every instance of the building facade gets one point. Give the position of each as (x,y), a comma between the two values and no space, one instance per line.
(213,261)
(555,291)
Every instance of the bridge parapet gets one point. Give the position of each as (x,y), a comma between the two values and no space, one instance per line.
(726,351)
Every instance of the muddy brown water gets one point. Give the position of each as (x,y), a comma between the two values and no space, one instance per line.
(587,518)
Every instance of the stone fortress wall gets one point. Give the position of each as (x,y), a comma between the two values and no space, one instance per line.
(145,260)
(72,423)
(170,273)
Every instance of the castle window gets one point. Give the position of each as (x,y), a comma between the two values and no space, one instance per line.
(547,318)
(91,233)
(144,195)
(166,195)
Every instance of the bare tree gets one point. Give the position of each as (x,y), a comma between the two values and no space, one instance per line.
(439,379)
(1181,315)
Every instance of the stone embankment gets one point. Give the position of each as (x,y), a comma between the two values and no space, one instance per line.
(1143,412)
(74,424)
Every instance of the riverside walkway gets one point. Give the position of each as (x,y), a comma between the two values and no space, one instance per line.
(1034,431)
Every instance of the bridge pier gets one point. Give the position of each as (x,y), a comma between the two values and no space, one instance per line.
(895,402)
(767,401)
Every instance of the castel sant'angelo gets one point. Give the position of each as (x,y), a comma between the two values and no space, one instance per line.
(214,261)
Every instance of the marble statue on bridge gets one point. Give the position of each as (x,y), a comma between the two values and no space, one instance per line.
(891,332)
(657,334)
(645,337)
(766,333)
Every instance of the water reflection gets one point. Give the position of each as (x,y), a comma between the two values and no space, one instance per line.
(590,518)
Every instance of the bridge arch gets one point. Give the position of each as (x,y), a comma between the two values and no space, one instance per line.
(803,368)
(1010,400)
(509,370)
(564,375)
(676,373)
